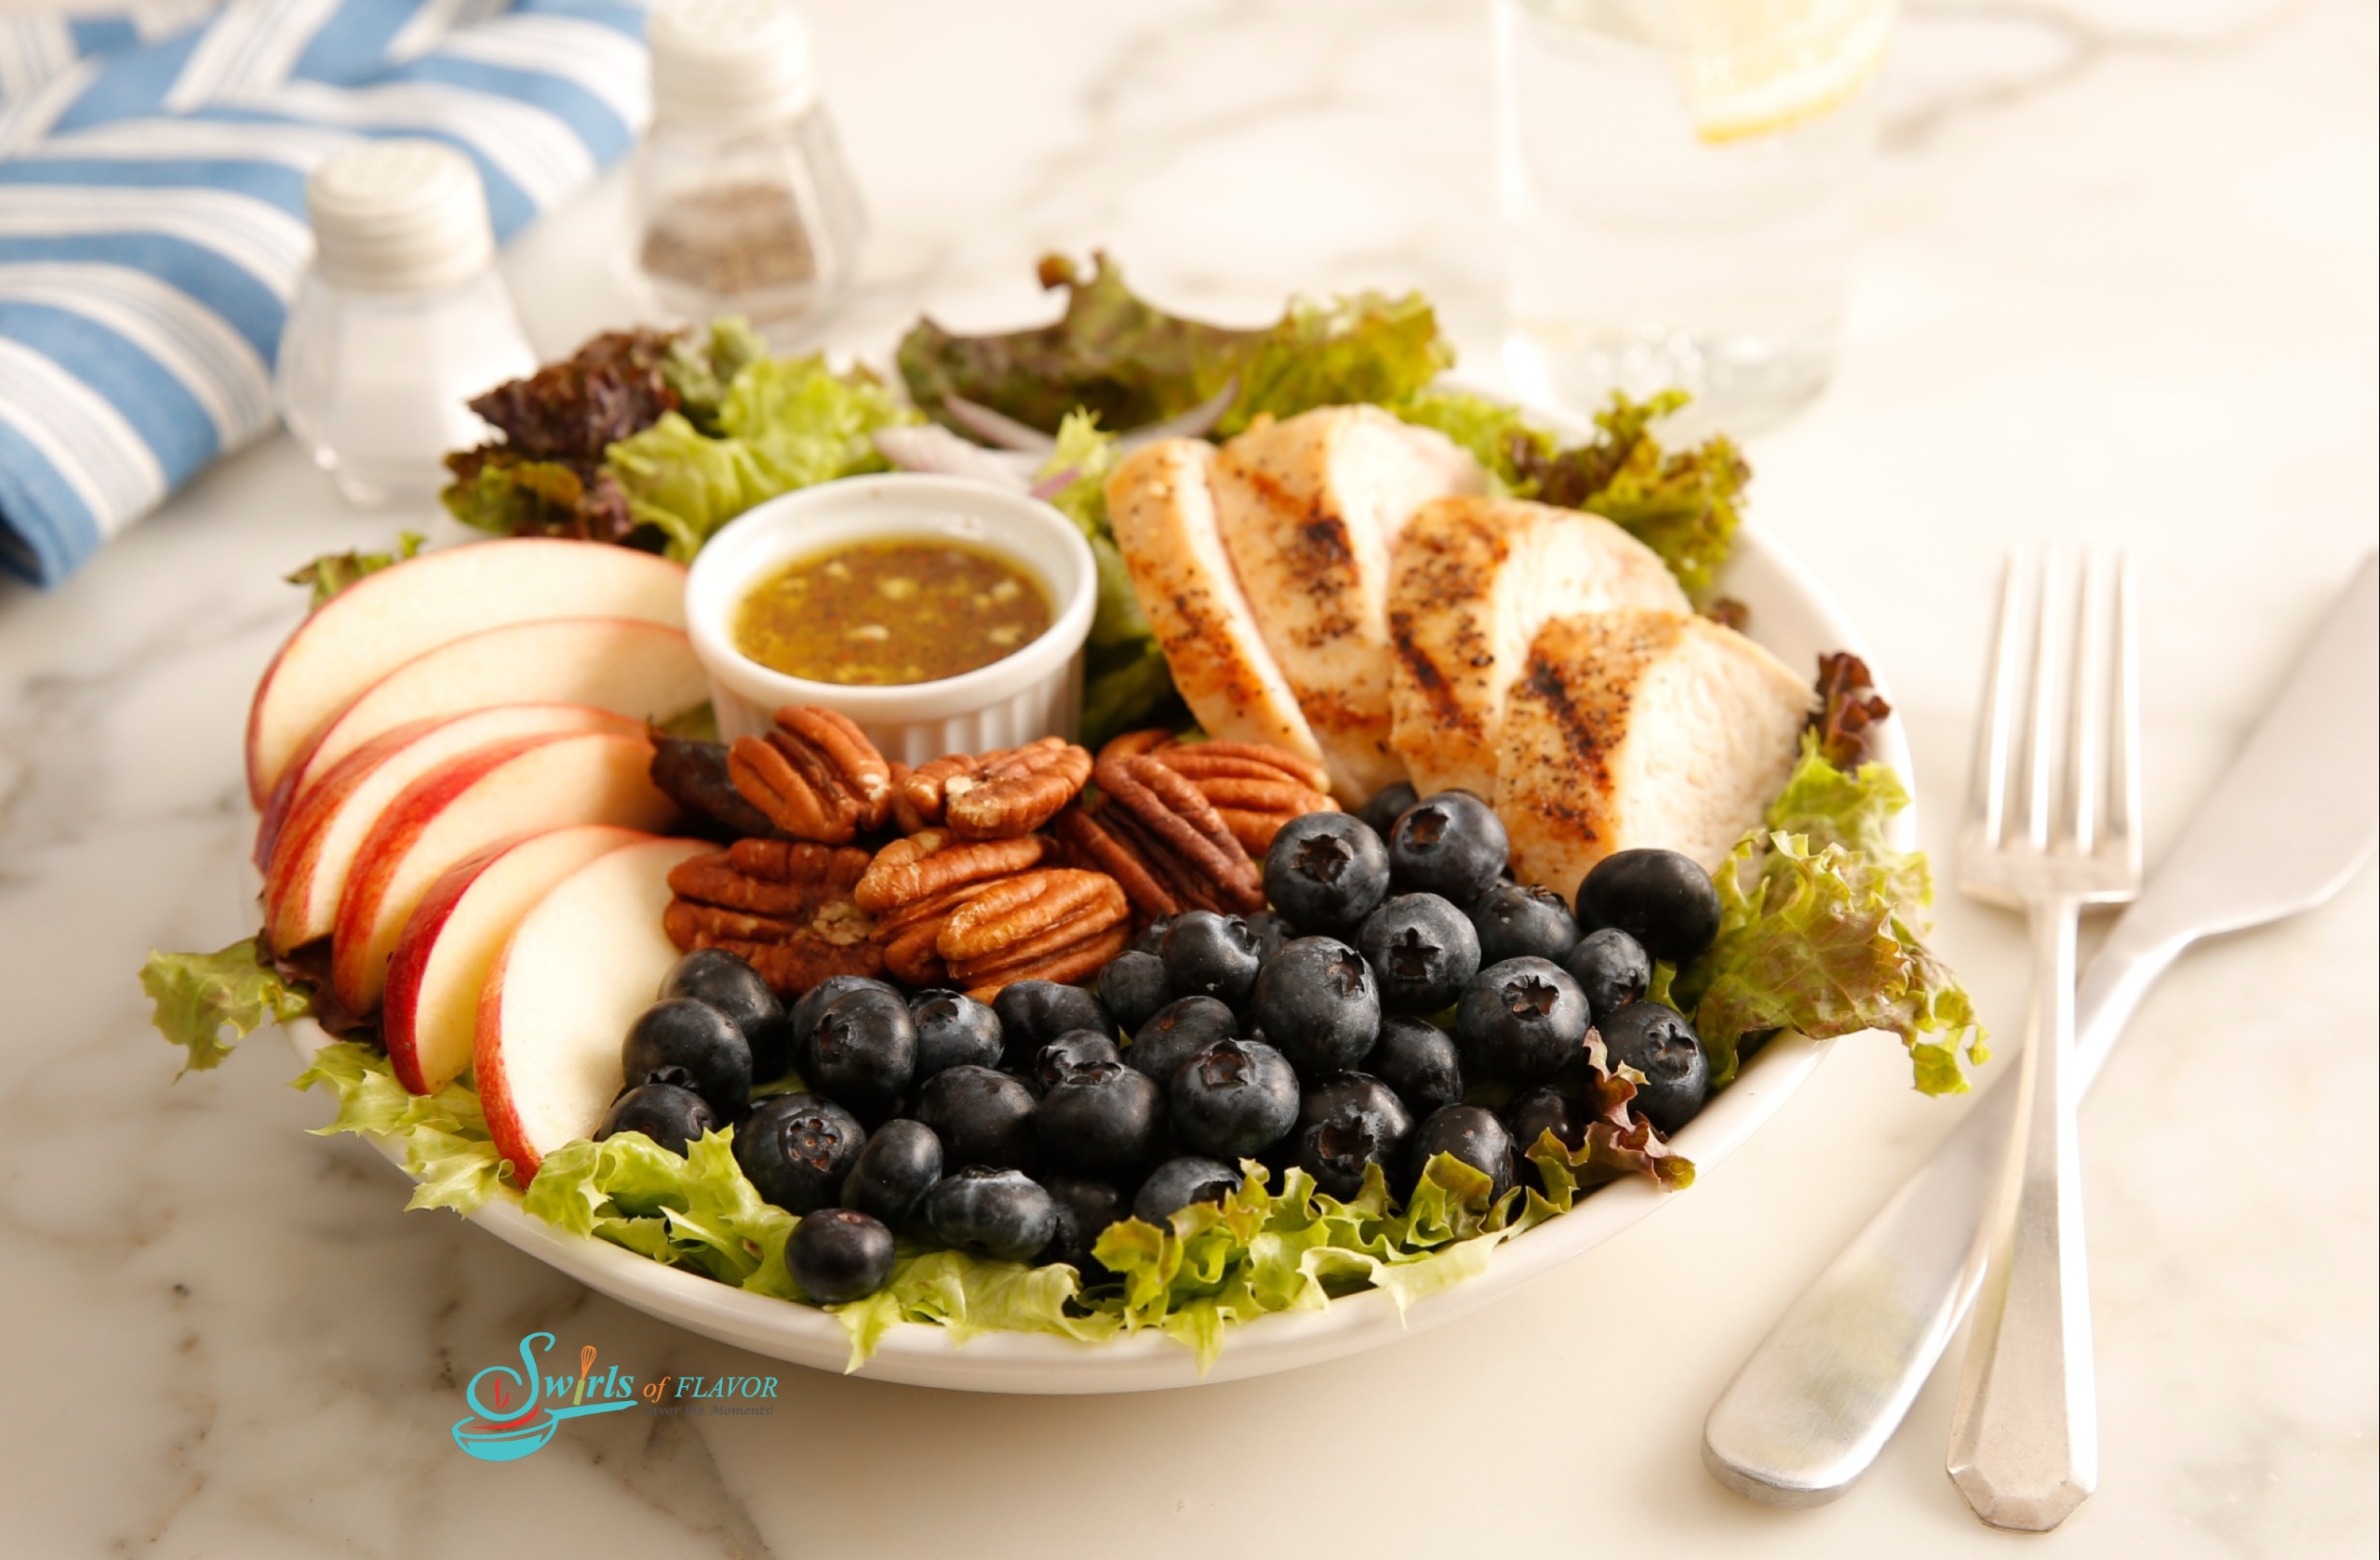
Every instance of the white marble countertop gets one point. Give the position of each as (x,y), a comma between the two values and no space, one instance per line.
(2118,281)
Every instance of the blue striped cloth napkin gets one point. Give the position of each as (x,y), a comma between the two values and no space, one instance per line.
(153,225)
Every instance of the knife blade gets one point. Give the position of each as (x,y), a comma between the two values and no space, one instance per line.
(2289,823)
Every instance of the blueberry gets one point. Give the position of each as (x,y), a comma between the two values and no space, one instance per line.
(1181,1029)
(1272,932)
(1086,1207)
(1450,845)
(797,1150)
(1071,1051)
(668,1114)
(1419,1062)
(1033,1013)
(1001,1214)
(982,1118)
(1134,986)
(1533,1113)
(1520,1020)
(1152,938)
(1658,1042)
(1318,1003)
(1235,1099)
(720,979)
(837,1255)
(863,1050)
(1421,949)
(1519,920)
(1346,1122)
(1102,1118)
(901,1159)
(1612,969)
(684,1042)
(1664,900)
(1207,955)
(803,1019)
(1387,806)
(1472,1134)
(952,1031)
(1177,1183)
(1325,871)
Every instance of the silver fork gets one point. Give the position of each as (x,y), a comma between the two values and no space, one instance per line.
(2053,825)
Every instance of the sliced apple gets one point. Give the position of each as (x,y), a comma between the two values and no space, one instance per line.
(522,785)
(641,670)
(385,620)
(576,970)
(449,944)
(315,848)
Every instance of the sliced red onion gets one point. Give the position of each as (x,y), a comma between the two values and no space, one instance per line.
(1055,482)
(998,428)
(930,446)
(1186,425)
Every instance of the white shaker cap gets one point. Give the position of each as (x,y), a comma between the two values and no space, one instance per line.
(728,64)
(398,216)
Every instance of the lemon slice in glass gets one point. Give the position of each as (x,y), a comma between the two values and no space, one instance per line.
(1754,66)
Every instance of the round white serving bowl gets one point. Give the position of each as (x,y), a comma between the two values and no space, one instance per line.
(1035,691)
(1791,615)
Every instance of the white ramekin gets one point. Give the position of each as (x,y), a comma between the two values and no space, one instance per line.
(1036,692)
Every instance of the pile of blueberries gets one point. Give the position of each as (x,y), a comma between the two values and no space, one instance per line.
(1300,1035)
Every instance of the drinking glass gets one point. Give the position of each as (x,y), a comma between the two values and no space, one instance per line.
(1640,256)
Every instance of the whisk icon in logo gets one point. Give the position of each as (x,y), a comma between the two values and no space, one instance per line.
(511,1417)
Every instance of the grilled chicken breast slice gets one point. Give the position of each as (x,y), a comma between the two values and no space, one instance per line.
(1632,728)
(1161,504)
(1474,578)
(1311,508)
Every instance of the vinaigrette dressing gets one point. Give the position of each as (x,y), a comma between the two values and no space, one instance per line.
(880,614)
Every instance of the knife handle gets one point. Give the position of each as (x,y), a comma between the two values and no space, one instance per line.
(1817,1400)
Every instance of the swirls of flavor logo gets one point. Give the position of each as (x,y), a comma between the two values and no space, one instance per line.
(514,1412)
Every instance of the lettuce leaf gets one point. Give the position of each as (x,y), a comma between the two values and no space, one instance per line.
(333,572)
(1820,931)
(1335,352)
(1126,681)
(1129,362)
(196,996)
(496,490)
(447,1146)
(700,366)
(783,423)
(1500,435)
(694,1210)
(1685,506)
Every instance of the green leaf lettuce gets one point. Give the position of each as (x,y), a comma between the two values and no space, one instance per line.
(196,996)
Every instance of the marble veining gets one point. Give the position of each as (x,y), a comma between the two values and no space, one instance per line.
(2117,279)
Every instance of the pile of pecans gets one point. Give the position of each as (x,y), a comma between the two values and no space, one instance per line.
(969,890)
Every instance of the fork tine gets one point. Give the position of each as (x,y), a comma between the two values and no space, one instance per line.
(2041,769)
(1987,791)
(2123,763)
(2088,711)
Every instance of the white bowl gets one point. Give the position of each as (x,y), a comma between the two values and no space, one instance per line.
(1035,691)
(1790,614)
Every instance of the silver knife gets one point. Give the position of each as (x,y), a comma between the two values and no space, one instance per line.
(2288,825)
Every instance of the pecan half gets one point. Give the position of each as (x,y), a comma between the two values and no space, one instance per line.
(1254,787)
(1133,743)
(1071,966)
(998,795)
(1091,843)
(1180,832)
(933,862)
(1057,924)
(785,906)
(816,777)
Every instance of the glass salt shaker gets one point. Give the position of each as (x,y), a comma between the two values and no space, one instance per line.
(744,204)
(401,318)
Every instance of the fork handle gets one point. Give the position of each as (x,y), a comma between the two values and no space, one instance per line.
(2024,1438)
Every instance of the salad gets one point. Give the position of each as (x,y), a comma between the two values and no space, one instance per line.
(1236,1105)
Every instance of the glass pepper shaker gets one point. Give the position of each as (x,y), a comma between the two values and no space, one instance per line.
(400,318)
(744,204)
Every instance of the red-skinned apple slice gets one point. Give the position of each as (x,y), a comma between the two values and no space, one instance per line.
(641,670)
(449,944)
(520,786)
(576,970)
(387,619)
(316,848)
